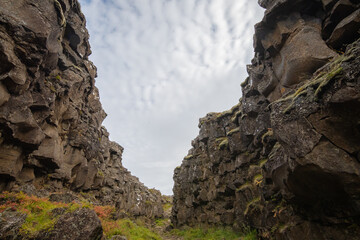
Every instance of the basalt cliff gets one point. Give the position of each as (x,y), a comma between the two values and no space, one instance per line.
(52,142)
(286,159)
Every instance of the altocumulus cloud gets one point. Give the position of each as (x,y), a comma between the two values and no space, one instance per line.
(163,64)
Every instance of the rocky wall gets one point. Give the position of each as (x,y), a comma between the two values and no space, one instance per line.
(51,137)
(286,159)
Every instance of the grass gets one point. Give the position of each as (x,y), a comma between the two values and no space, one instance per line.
(127,228)
(61,12)
(251,204)
(39,211)
(235,130)
(258,179)
(224,144)
(244,186)
(269,133)
(161,222)
(236,116)
(188,157)
(41,217)
(167,206)
(319,82)
(213,233)
(251,235)
(228,112)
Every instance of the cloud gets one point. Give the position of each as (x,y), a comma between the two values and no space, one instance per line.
(163,64)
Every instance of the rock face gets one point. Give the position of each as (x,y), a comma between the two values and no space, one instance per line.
(51,137)
(286,159)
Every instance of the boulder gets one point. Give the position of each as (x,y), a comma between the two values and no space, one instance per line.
(82,224)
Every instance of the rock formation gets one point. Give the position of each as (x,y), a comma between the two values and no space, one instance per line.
(286,159)
(51,137)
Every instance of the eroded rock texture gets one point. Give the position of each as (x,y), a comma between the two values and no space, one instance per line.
(51,138)
(286,159)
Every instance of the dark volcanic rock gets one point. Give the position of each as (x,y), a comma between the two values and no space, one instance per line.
(50,114)
(10,223)
(63,197)
(82,224)
(285,161)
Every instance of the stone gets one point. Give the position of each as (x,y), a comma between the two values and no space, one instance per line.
(49,153)
(26,175)
(82,224)
(11,161)
(311,54)
(339,124)
(346,31)
(63,197)
(325,174)
(4,94)
(10,224)
(297,137)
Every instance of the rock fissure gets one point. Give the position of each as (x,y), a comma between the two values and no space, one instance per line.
(284,160)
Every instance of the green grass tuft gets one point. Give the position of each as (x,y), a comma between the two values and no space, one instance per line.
(244,186)
(224,144)
(235,130)
(129,229)
(213,233)
(253,203)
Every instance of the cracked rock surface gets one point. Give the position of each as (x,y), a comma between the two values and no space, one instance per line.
(286,159)
(51,137)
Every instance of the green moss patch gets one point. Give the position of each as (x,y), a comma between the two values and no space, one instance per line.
(127,228)
(213,233)
(42,215)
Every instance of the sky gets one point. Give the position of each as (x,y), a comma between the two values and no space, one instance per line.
(162,65)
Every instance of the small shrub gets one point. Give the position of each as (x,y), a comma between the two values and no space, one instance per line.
(104,211)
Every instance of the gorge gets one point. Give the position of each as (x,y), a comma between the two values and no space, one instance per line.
(283,161)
